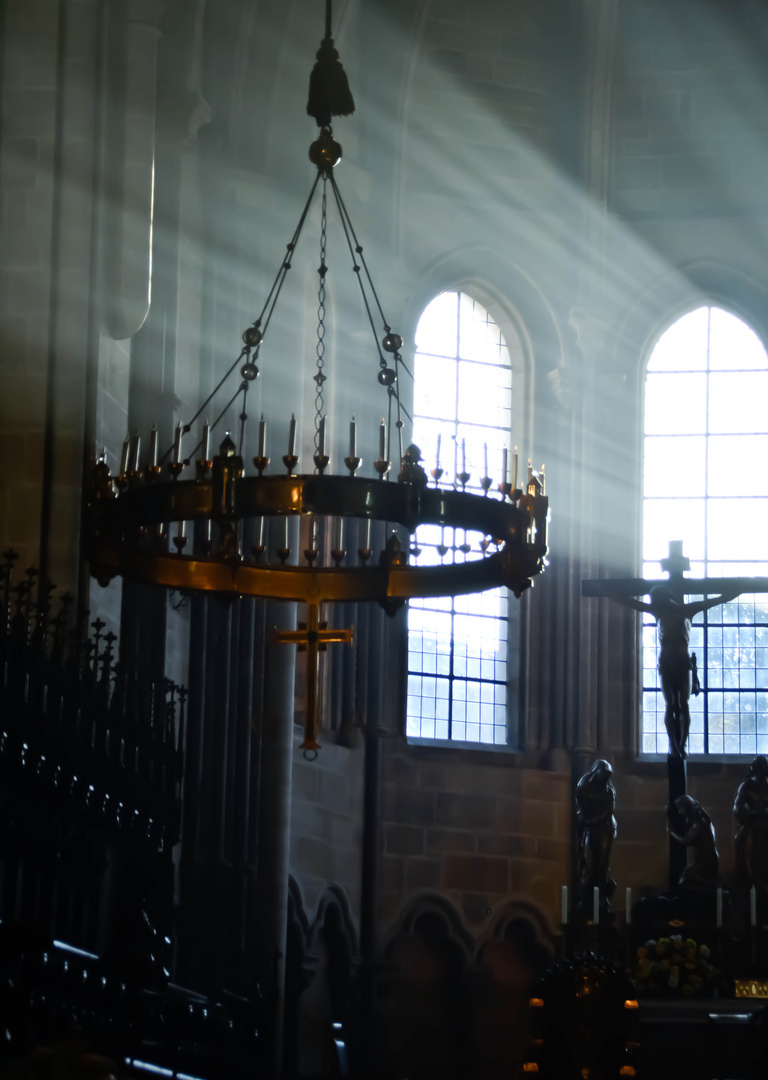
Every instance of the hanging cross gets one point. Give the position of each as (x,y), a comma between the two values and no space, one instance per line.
(312,637)
(673,617)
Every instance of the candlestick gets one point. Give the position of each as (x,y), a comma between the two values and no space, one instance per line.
(564,906)
(367,535)
(753,906)
(504,464)
(153,446)
(135,451)
(206,441)
(352,438)
(177,444)
(514,470)
(485,459)
(262,437)
(382,439)
(463,455)
(292,437)
(321,437)
(541,479)
(628,906)
(530,471)
(437,460)
(596,905)
(719,908)
(125,455)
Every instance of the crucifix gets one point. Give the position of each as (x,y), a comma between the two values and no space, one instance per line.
(677,667)
(312,637)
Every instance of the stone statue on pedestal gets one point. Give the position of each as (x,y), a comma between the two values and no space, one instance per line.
(751,812)
(595,802)
(700,875)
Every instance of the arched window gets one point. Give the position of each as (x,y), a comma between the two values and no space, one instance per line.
(460,648)
(706,483)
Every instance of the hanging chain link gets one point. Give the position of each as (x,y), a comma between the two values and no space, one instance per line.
(322,269)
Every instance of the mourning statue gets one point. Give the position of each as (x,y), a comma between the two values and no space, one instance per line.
(677,667)
(700,875)
(595,802)
(751,813)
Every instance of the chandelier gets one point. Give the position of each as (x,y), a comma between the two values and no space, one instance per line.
(140,518)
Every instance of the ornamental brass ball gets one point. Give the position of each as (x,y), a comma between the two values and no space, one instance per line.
(387,376)
(252,336)
(325,152)
(249,371)
(392,343)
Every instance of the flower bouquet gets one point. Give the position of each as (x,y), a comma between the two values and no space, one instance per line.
(674,967)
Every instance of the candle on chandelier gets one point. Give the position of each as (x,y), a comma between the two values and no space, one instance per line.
(530,471)
(292,437)
(177,444)
(262,437)
(541,479)
(719,909)
(595,905)
(206,440)
(564,906)
(514,470)
(485,459)
(153,446)
(627,905)
(180,530)
(124,455)
(352,438)
(367,535)
(437,457)
(338,544)
(463,455)
(321,437)
(382,440)
(504,464)
(135,451)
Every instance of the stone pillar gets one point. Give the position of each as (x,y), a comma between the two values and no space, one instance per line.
(276,754)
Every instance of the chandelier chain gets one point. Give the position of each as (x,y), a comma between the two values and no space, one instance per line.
(321,271)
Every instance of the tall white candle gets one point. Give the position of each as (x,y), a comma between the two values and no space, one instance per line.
(292,436)
(262,437)
(628,906)
(504,464)
(595,905)
(753,906)
(463,455)
(564,905)
(719,908)
(367,535)
(321,435)
(153,446)
(177,444)
(382,440)
(352,438)
(514,470)
(206,440)
(124,456)
(437,456)
(135,451)
(485,459)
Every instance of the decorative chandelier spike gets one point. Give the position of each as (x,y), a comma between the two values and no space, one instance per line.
(239,542)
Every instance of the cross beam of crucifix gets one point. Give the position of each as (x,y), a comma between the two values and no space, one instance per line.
(312,637)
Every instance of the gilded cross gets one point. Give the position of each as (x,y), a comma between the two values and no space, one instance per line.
(312,637)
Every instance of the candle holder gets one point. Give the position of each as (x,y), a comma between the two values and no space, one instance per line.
(382,467)
(175,468)
(338,555)
(321,462)
(310,554)
(364,555)
(179,542)
(258,551)
(152,471)
(463,479)
(505,488)
(290,461)
(202,467)
(353,464)
(121,481)
(485,484)
(261,462)
(282,554)
(437,473)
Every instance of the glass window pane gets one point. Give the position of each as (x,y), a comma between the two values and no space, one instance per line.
(670,456)
(738,464)
(737,528)
(437,331)
(737,401)
(676,404)
(673,519)
(683,347)
(733,344)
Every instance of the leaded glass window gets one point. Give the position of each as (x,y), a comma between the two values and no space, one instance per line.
(459,647)
(706,483)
